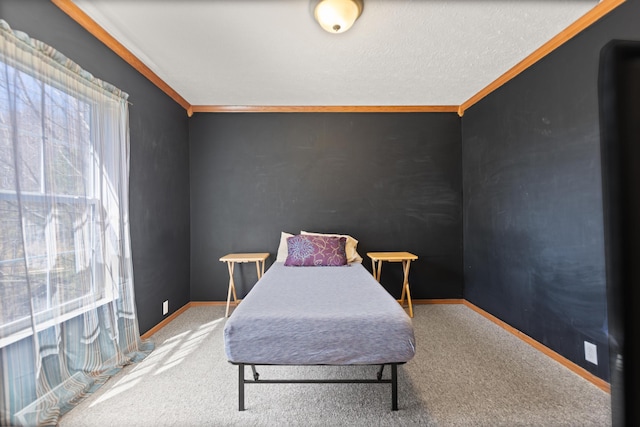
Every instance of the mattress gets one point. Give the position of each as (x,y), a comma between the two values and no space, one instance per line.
(318,315)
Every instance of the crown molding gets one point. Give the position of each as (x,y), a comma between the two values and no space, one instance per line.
(75,13)
(325,109)
(85,21)
(603,8)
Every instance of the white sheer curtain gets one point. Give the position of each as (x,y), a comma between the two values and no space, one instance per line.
(67,311)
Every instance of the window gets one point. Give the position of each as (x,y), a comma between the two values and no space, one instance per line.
(67,303)
(50,217)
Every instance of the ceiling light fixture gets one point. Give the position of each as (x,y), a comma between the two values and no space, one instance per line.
(337,16)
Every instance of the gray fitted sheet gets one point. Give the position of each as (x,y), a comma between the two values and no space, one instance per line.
(318,315)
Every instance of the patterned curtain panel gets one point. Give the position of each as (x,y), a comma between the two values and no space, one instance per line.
(67,311)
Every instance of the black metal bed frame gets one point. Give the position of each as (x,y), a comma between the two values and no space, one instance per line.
(256,380)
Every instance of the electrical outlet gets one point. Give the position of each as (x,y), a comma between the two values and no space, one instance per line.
(591,352)
(165,307)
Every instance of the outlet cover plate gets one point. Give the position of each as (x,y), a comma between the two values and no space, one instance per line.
(591,352)
(165,307)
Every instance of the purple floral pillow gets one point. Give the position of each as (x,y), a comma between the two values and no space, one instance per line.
(307,250)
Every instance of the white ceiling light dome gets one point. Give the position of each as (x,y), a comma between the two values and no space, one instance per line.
(337,16)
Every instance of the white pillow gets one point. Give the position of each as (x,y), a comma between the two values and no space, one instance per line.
(350,247)
(283,251)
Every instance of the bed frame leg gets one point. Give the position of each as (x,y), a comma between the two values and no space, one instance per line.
(394,387)
(241,387)
(394,384)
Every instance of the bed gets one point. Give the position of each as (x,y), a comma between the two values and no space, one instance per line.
(318,315)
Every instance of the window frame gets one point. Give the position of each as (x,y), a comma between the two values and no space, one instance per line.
(54,314)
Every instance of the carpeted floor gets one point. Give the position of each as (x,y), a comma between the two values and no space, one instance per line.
(467,372)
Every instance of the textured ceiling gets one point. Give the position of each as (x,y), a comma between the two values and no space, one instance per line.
(272,52)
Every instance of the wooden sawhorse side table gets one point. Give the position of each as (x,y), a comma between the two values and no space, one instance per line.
(231,260)
(405,258)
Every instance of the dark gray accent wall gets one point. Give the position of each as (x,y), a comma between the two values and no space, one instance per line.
(392,181)
(159,177)
(533,222)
